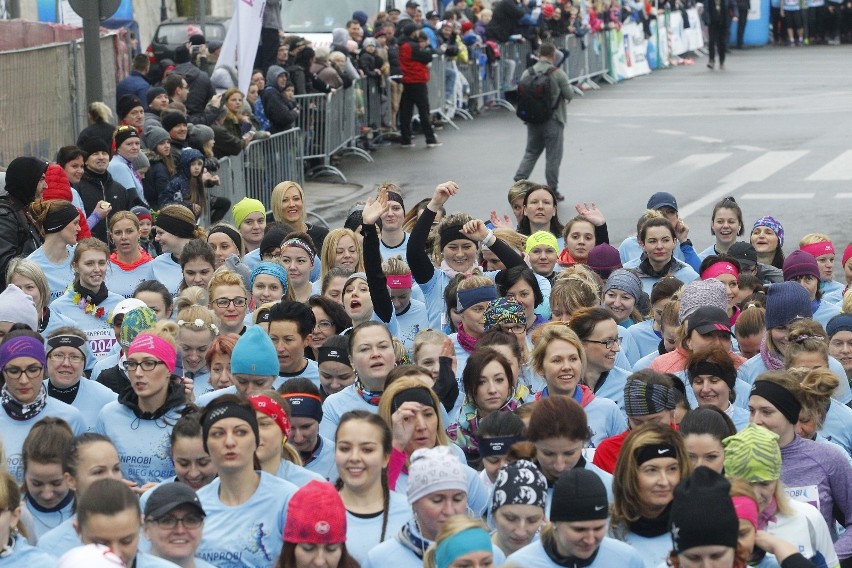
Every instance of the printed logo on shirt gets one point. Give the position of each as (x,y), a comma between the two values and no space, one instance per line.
(806,494)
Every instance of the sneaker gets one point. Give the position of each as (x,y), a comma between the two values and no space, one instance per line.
(711,65)
(434,144)
(721,66)
(559,196)
(409,145)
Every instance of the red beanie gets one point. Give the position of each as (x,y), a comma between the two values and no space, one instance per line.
(847,254)
(466,26)
(58,187)
(316,515)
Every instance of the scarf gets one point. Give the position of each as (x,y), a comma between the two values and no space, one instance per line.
(773,361)
(145,257)
(467,341)
(19,411)
(648,270)
(582,394)
(410,538)
(66,395)
(464,431)
(548,541)
(89,296)
(650,528)
(767,515)
(370,397)
(445,268)
(581,464)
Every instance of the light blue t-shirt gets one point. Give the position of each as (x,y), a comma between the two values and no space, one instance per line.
(310,372)
(605,419)
(629,249)
(652,550)
(628,350)
(825,312)
(755,366)
(364,533)
(246,535)
(59,276)
(322,460)
(121,173)
(60,540)
(168,272)
(613,387)
(646,339)
(143,445)
(610,553)
(645,361)
(22,554)
(107,362)
(337,405)
(832,291)
(44,521)
(124,282)
(837,427)
(100,334)
(682,272)
(91,397)
(392,553)
(145,560)
(399,250)
(14,432)
(296,474)
(411,322)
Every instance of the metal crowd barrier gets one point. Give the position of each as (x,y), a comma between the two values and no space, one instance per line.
(232,185)
(373,116)
(485,80)
(271,161)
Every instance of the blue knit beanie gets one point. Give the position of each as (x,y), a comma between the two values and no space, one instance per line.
(840,322)
(272,269)
(786,302)
(255,354)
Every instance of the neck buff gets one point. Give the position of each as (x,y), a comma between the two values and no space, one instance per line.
(772,359)
(467,341)
(20,411)
(548,541)
(370,397)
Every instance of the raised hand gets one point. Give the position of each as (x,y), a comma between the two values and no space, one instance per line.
(504,223)
(403,423)
(591,213)
(375,209)
(475,229)
(442,193)
(681,230)
(449,351)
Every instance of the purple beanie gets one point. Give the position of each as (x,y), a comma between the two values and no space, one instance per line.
(603,259)
(800,263)
(773,224)
(22,346)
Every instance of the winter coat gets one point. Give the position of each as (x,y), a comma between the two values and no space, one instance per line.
(94,188)
(226,143)
(134,84)
(280,112)
(507,15)
(414,62)
(200,90)
(100,130)
(156,179)
(178,189)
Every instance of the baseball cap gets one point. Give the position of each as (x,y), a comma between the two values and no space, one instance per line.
(412,4)
(432,14)
(708,319)
(168,497)
(744,253)
(662,199)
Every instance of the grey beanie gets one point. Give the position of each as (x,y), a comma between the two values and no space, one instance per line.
(700,293)
(201,132)
(154,136)
(140,162)
(432,470)
(17,307)
(626,281)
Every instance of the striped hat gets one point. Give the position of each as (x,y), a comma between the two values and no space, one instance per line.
(642,398)
(753,454)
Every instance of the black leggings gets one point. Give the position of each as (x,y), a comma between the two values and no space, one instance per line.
(718,38)
(415,94)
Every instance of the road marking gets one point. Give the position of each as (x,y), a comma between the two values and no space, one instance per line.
(707,139)
(764,166)
(635,159)
(724,189)
(839,169)
(700,161)
(768,196)
(747,148)
(671,132)
(843,196)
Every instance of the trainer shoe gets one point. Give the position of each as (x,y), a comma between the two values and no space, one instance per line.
(434,144)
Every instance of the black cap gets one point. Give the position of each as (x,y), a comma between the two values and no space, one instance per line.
(412,4)
(432,14)
(708,319)
(743,252)
(168,497)
(579,495)
(702,512)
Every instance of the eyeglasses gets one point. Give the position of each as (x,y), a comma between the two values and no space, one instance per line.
(225,302)
(515,328)
(59,358)
(325,324)
(607,343)
(170,522)
(33,372)
(147,365)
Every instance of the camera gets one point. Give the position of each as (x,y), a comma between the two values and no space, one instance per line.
(211,165)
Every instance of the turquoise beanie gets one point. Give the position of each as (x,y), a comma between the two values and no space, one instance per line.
(255,354)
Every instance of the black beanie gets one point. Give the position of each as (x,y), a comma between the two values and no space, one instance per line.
(578,495)
(172,119)
(94,144)
(60,216)
(126,104)
(702,512)
(153,93)
(22,177)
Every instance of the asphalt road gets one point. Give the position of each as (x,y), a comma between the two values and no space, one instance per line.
(774,130)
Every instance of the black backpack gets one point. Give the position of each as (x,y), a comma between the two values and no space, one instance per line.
(534,97)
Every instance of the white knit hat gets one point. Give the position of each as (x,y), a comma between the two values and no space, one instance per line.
(18,307)
(433,470)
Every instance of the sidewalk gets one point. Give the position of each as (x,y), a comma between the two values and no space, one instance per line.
(331,201)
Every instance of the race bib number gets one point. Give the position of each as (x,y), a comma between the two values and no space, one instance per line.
(807,494)
(101,342)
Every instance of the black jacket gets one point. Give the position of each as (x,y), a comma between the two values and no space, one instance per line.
(94,188)
(18,236)
(280,112)
(156,179)
(507,14)
(200,91)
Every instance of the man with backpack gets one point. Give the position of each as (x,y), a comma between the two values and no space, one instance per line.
(541,92)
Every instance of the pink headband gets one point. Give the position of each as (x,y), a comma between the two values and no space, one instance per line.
(299,243)
(746,509)
(399,281)
(156,346)
(719,268)
(818,249)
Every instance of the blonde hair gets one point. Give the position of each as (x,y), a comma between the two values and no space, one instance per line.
(626,504)
(583,273)
(288,452)
(122,216)
(192,296)
(165,329)
(28,269)
(846,306)
(227,95)
(805,336)
(225,277)
(427,337)
(99,112)
(188,317)
(812,238)
(520,188)
(572,294)
(395,266)
(512,238)
(10,499)
(329,250)
(278,195)
(817,387)
(183,213)
(548,333)
(453,526)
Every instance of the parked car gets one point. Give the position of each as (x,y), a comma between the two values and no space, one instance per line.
(174,32)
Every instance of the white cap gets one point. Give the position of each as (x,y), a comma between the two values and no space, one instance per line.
(125,306)
(90,556)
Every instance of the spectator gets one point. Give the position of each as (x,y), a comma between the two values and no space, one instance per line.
(20,235)
(99,127)
(163,169)
(200,87)
(131,112)
(506,17)
(135,84)
(175,123)
(270,30)
(97,185)
(414,57)
(126,147)
(225,142)
(281,110)
(176,87)
(158,100)
(187,187)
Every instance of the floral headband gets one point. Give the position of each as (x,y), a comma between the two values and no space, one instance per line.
(199,324)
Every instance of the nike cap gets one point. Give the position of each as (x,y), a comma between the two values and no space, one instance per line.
(579,495)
